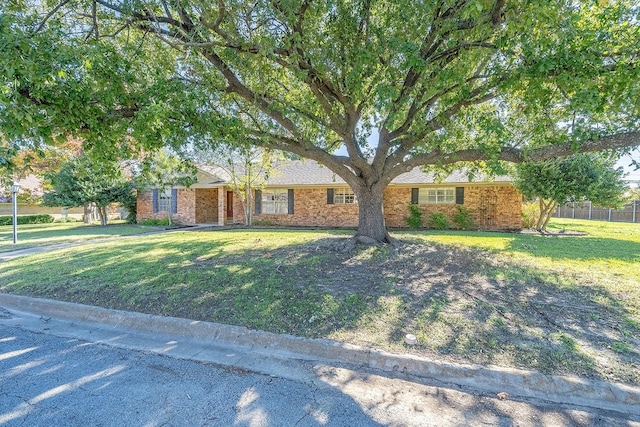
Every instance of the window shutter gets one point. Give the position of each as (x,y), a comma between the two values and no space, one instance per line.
(258,201)
(290,199)
(154,201)
(174,200)
(414,196)
(329,196)
(459,195)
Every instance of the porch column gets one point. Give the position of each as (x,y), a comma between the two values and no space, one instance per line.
(222,209)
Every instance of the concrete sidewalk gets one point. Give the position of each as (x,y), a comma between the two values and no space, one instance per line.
(283,355)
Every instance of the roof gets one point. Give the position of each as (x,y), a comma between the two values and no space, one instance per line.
(208,176)
(311,173)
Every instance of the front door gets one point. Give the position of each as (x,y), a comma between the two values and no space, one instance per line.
(229,204)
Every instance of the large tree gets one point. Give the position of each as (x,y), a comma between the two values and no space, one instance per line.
(441,81)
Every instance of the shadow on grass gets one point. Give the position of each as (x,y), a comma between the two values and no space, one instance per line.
(464,305)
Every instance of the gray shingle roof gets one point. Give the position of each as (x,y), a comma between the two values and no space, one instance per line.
(311,173)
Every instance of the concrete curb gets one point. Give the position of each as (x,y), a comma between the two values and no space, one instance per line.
(565,390)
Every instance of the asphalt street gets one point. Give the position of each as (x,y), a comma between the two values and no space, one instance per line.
(48,380)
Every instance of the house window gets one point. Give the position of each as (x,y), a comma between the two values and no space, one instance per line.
(344,196)
(164,200)
(436,195)
(275,201)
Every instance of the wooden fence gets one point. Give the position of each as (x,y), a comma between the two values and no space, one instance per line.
(586,210)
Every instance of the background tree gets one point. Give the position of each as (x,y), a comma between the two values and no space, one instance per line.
(633,194)
(442,82)
(82,181)
(576,178)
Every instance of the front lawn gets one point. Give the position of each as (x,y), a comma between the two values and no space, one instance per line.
(562,305)
(35,235)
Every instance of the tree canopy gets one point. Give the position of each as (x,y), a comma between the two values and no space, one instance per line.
(576,178)
(82,181)
(442,82)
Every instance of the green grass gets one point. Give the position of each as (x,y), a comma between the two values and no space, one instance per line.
(565,305)
(610,252)
(36,235)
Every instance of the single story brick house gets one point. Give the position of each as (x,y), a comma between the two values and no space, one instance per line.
(305,193)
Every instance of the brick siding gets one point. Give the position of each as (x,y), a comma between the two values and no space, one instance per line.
(311,209)
(206,200)
(492,206)
(186,207)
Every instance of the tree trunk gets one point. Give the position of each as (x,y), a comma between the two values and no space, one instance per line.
(89,213)
(371,215)
(248,208)
(102,213)
(550,208)
(540,218)
(546,211)
(247,189)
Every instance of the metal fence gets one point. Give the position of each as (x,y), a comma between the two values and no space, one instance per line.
(586,210)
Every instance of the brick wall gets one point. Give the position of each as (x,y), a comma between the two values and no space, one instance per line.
(496,206)
(186,207)
(493,207)
(396,207)
(238,209)
(206,200)
(311,209)
(396,201)
(144,206)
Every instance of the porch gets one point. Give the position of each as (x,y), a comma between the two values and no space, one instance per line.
(214,206)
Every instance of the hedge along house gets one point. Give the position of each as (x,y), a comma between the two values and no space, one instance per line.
(305,193)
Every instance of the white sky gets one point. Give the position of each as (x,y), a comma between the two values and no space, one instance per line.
(632,174)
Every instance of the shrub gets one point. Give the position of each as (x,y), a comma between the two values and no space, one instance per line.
(462,218)
(438,221)
(155,222)
(414,220)
(27,219)
(263,223)
(131,205)
(530,214)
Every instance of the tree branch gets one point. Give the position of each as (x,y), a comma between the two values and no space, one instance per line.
(517,155)
(50,14)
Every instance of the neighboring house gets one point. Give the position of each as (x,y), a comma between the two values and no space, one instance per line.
(30,187)
(305,193)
